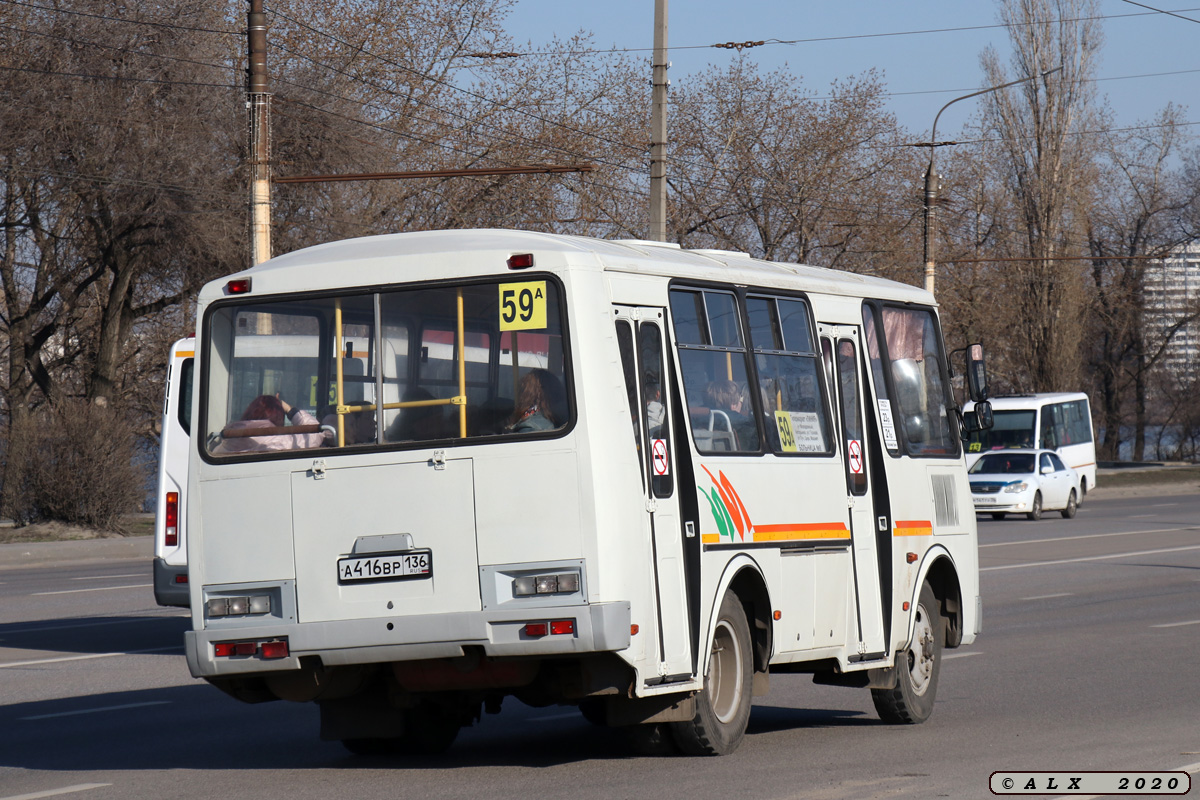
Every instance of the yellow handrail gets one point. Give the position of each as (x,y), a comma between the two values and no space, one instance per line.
(461,400)
(341,409)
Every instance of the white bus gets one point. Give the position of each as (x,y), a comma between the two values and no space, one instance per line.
(1060,421)
(170,541)
(674,473)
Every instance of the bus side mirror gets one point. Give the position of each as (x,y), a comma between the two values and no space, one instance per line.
(978,419)
(977,375)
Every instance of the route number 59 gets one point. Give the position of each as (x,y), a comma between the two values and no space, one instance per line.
(523,306)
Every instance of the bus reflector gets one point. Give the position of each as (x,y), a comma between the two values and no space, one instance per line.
(239,286)
(223,649)
(560,626)
(520,261)
(633,629)
(535,629)
(910,557)
(275,649)
(172,523)
(245,648)
(181,578)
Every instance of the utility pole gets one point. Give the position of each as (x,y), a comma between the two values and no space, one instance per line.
(933,181)
(258,102)
(658,127)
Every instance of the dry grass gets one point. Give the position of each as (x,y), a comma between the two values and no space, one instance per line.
(134,525)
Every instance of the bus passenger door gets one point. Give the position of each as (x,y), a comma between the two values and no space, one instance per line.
(841,353)
(640,336)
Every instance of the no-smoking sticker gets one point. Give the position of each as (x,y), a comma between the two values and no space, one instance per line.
(658,456)
(854,453)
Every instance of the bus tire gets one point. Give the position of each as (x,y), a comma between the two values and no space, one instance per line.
(1035,512)
(723,705)
(429,730)
(917,668)
(1072,506)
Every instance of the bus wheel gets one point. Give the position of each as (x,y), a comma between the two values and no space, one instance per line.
(1072,506)
(1082,489)
(1035,512)
(723,705)
(917,668)
(429,729)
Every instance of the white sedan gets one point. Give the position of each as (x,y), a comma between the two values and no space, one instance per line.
(1023,482)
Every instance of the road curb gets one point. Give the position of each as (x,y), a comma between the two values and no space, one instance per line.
(32,554)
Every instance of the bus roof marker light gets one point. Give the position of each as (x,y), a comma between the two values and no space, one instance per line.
(520,261)
(238,286)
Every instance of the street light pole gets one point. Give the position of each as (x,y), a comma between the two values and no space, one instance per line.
(933,181)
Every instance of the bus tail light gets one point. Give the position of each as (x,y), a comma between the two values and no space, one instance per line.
(239,286)
(273,648)
(527,585)
(558,627)
(520,261)
(172,523)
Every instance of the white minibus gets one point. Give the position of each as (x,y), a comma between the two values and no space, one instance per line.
(1060,421)
(621,476)
(170,540)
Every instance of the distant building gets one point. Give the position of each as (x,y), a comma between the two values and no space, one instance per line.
(1172,289)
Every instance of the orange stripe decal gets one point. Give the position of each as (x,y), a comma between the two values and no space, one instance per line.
(185,353)
(910,527)
(710,538)
(809,530)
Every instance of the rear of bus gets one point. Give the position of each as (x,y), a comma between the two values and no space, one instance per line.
(1059,421)
(170,543)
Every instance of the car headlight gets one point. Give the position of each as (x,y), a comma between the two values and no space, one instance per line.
(1020,486)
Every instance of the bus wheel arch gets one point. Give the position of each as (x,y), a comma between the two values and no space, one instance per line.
(751,590)
(942,578)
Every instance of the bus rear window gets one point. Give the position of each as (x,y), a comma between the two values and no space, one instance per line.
(386,368)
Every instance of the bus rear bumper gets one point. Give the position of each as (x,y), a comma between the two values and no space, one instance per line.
(168,589)
(595,628)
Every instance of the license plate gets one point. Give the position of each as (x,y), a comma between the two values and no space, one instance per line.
(385,567)
(985,501)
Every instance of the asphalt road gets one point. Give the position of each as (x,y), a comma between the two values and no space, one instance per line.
(1087,662)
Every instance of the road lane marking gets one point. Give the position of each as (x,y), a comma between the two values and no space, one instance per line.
(79,787)
(86,657)
(97,589)
(1177,624)
(98,710)
(1141,516)
(961,655)
(1091,558)
(1090,536)
(107,577)
(1048,596)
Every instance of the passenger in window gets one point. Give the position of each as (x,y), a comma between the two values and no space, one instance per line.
(359,427)
(417,423)
(655,413)
(541,403)
(726,399)
(269,414)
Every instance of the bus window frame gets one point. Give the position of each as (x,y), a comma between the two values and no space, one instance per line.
(904,449)
(325,345)
(824,398)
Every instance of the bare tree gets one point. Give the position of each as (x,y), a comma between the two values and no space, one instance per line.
(1132,215)
(1044,161)
(759,165)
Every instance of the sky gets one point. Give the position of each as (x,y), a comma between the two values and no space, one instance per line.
(922,71)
